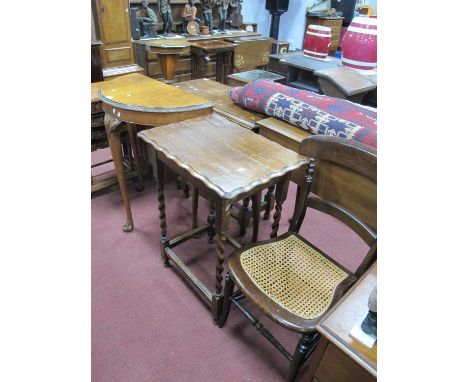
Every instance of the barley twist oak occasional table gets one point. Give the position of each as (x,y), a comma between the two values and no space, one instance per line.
(137,99)
(225,163)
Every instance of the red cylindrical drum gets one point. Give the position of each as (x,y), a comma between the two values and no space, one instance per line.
(317,41)
(359,45)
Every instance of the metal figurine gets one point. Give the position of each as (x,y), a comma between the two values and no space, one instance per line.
(165,9)
(207,7)
(236,16)
(149,23)
(369,325)
(223,6)
(190,14)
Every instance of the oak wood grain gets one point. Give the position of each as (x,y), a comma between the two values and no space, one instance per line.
(227,158)
(219,94)
(338,322)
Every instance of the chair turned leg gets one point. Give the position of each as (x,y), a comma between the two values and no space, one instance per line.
(302,349)
(270,202)
(228,289)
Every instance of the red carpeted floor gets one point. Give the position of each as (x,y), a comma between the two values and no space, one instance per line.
(148,325)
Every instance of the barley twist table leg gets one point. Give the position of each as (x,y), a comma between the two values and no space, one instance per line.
(269,200)
(280,196)
(164,240)
(211,221)
(222,222)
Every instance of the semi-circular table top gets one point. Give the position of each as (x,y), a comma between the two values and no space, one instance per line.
(139,99)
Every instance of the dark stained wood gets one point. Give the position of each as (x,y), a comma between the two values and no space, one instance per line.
(96,64)
(223,50)
(225,163)
(327,155)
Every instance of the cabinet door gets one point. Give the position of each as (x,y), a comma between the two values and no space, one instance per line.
(114,18)
(114,26)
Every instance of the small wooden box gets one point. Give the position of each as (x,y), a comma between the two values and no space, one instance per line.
(280,47)
(240,79)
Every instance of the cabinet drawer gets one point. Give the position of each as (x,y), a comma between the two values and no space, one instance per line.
(183,66)
(118,54)
(334,23)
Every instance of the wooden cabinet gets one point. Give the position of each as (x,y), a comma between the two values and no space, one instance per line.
(334,23)
(114,27)
(339,357)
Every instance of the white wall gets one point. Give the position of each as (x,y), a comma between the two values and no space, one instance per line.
(292,23)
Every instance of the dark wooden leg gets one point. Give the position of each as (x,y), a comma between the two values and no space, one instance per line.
(303,347)
(194,208)
(303,191)
(222,222)
(228,289)
(168,64)
(135,153)
(178,182)
(244,216)
(186,189)
(211,222)
(270,202)
(280,196)
(256,201)
(113,129)
(162,211)
(219,67)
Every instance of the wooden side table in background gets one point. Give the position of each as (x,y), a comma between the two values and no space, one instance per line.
(201,51)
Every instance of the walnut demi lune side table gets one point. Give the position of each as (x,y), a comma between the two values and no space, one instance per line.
(137,99)
(225,163)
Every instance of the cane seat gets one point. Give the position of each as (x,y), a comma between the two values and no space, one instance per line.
(294,275)
(291,281)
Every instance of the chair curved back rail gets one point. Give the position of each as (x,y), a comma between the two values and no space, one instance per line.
(342,176)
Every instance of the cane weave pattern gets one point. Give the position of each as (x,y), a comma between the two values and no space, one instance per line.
(294,275)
